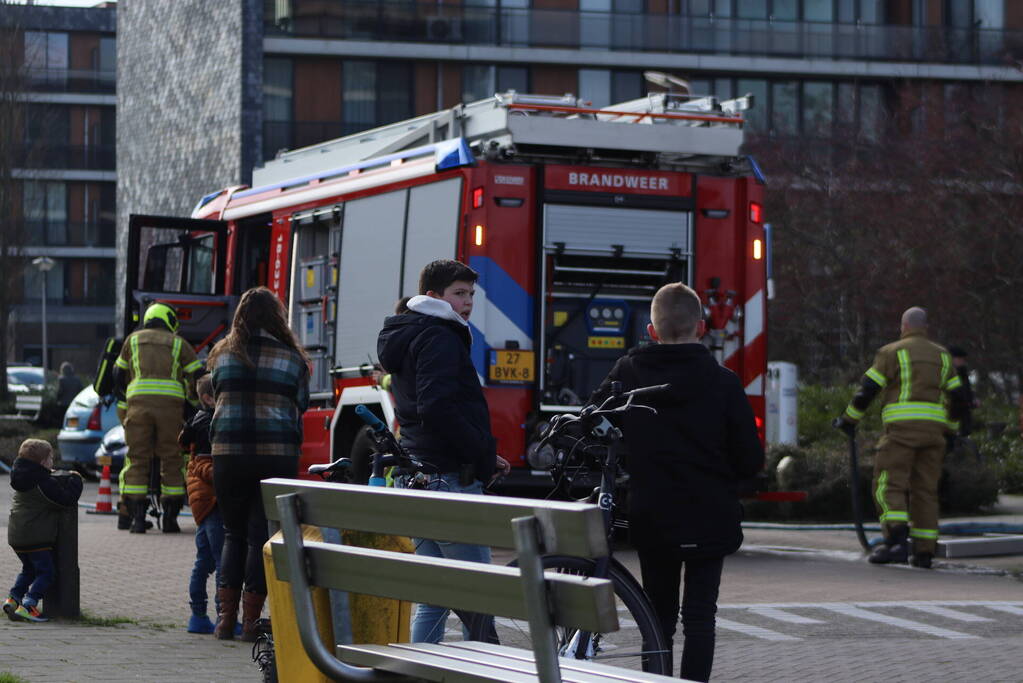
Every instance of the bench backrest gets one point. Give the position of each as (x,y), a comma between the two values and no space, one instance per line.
(530,526)
(28,403)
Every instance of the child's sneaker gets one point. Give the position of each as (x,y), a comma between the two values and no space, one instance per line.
(200,624)
(10,604)
(29,613)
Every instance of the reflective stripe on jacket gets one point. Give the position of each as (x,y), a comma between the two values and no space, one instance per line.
(912,375)
(158,363)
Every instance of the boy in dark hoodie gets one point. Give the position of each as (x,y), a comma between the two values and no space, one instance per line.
(444,417)
(39,500)
(684,467)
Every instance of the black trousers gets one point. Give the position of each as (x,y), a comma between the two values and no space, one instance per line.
(662,575)
(236,482)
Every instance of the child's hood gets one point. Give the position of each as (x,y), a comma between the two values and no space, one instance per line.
(26,474)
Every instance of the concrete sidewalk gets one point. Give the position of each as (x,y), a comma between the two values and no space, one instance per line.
(144,579)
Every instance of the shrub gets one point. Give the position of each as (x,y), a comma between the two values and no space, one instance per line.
(822,470)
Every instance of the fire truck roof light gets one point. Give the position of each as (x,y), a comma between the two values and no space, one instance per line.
(447,154)
(452,154)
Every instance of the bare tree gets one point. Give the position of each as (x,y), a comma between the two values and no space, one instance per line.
(13,89)
(868,227)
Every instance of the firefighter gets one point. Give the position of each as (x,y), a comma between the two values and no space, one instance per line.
(156,369)
(913,376)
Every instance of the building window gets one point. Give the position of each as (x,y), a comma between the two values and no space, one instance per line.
(46,58)
(278,114)
(785,107)
(364,104)
(595,87)
(480,81)
(757,116)
(818,104)
(626,85)
(86,282)
(45,211)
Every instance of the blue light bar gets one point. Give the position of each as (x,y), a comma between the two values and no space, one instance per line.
(448,154)
(452,154)
(757,173)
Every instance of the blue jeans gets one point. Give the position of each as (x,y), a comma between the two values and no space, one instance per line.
(209,543)
(37,573)
(428,624)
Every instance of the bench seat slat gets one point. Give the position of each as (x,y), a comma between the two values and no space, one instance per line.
(437,662)
(481,520)
(432,666)
(609,673)
(579,602)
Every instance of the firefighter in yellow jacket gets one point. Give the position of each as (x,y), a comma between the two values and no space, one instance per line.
(156,369)
(914,377)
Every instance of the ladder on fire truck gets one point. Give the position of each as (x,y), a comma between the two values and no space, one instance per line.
(661,130)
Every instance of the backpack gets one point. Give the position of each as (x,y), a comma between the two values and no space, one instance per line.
(104,382)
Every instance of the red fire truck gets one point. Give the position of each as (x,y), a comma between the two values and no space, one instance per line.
(572,216)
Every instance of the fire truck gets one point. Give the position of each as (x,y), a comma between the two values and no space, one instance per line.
(573,216)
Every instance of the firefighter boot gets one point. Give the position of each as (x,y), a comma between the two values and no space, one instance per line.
(922,560)
(252,607)
(138,515)
(169,520)
(895,548)
(123,515)
(227,616)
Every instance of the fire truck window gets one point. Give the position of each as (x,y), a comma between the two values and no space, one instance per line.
(200,266)
(253,253)
(163,268)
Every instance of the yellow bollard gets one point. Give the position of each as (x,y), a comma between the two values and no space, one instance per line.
(373,619)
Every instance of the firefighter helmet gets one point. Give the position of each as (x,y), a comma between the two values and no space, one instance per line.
(162,312)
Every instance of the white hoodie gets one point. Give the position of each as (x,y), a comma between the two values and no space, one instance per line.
(438,308)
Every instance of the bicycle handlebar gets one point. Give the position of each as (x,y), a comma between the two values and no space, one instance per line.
(369,418)
(588,414)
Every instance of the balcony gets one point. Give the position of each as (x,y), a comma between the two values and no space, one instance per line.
(453,24)
(71,80)
(68,234)
(45,155)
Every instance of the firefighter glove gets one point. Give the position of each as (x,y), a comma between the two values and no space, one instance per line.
(841,423)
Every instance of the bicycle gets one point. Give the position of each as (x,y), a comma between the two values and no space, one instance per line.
(584,443)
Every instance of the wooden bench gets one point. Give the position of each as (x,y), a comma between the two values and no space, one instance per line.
(532,527)
(28,404)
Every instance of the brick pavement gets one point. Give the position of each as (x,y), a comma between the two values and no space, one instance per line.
(144,578)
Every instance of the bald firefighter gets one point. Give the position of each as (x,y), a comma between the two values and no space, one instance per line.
(914,377)
(156,369)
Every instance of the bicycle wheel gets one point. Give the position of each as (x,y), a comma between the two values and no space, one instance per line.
(638,644)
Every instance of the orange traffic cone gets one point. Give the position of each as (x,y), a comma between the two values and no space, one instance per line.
(103,504)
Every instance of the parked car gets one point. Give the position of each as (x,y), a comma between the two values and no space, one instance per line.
(86,421)
(114,446)
(27,379)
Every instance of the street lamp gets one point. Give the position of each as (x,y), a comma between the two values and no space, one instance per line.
(44,264)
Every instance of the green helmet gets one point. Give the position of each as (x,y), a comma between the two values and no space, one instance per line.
(162,312)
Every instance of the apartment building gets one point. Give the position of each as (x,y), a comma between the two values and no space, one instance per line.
(208,90)
(332,68)
(65,177)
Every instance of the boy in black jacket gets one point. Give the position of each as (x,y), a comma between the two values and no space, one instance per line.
(439,403)
(38,502)
(685,464)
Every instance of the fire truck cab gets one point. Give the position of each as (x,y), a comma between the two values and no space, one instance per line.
(572,216)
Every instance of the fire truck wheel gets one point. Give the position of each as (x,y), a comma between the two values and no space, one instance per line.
(361,456)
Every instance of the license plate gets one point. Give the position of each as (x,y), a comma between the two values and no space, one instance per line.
(511,366)
(72,423)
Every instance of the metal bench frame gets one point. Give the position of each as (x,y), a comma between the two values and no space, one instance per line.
(533,528)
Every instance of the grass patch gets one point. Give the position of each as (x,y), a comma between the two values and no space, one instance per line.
(87,619)
(8,677)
